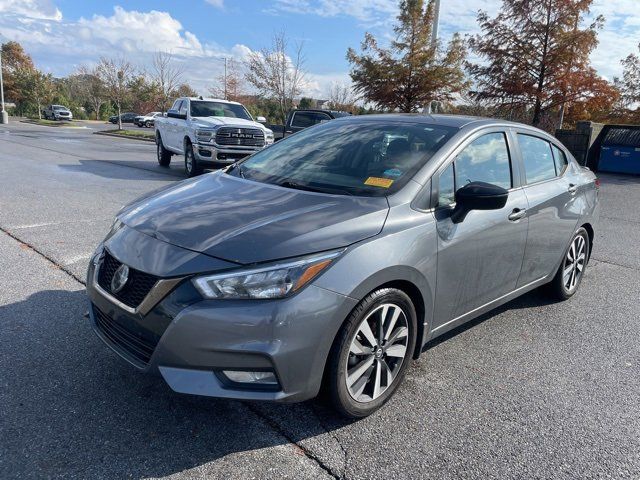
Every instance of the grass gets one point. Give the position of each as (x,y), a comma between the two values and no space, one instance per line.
(50,123)
(131,134)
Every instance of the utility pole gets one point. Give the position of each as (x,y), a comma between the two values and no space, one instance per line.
(225,78)
(434,35)
(4,117)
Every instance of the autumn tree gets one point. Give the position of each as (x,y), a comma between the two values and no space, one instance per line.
(91,88)
(35,87)
(167,75)
(629,86)
(277,72)
(14,60)
(414,70)
(341,98)
(535,57)
(230,85)
(116,74)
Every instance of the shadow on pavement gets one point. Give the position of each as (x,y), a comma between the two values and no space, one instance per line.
(71,408)
(137,169)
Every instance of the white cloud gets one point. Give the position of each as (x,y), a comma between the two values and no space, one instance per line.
(31,9)
(216,3)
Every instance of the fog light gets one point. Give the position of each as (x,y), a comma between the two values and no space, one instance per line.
(255,378)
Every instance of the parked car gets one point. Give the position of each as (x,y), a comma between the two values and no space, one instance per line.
(209,133)
(146,120)
(57,112)
(303,118)
(329,260)
(127,117)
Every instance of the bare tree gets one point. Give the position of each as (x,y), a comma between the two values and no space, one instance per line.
(341,97)
(276,74)
(167,75)
(116,75)
(230,85)
(91,88)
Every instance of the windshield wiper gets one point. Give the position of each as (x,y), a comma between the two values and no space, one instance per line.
(238,167)
(308,188)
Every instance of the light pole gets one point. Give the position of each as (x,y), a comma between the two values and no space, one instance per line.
(4,117)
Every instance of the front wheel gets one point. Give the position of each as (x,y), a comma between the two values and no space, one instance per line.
(148,124)
(163,155)
(371,353)
(191,166)
(569,275)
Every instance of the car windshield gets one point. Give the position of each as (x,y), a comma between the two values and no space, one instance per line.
(204,108)
(370,158)
(59,107)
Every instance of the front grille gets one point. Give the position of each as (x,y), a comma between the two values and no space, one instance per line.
(136,288)
(137,347)
(245,137)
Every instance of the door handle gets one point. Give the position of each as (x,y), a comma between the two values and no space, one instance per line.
(572,188)
(517,214)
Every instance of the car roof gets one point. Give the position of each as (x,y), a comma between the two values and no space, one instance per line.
(456,121)
(208,99)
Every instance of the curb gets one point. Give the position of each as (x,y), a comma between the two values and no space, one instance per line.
(117,135)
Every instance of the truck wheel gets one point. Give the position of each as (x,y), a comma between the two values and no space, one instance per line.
(191,166)
(148,124)
(164,155)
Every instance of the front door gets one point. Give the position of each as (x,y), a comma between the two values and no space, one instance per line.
(479,259)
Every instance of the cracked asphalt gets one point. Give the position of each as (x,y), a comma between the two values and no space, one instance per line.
(535,389)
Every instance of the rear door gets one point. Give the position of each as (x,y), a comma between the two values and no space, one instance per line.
(479,259)
(554,204)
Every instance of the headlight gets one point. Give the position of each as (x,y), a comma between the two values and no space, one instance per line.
(275,281)
(268,137)
(204,136)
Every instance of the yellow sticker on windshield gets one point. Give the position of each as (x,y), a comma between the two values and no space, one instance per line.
(378,182)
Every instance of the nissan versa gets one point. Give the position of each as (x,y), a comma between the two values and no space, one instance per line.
(329,259)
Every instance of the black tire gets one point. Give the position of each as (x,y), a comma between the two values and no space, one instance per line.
(191,167)
(564,286)
(341,355)
(163,155)
(148,124)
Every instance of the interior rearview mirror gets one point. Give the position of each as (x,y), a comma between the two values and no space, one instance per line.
(478,196)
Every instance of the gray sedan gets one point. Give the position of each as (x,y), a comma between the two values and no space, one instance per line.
(329,259)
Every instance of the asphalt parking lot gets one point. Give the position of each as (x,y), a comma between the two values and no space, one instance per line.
(536,389)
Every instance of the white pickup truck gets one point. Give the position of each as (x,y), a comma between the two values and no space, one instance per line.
(209,133)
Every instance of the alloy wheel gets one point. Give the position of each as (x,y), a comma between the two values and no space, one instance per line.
(376,352)
(189,160)
(574,263)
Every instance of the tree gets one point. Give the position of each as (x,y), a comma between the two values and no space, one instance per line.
(14,60)
(167,75)
(230,85)
(306,102)
(341,98)
(183,90)
(414,70)
(629,86)
(276,74)
(535,56)
(116,75)
(91,88)
(35,86)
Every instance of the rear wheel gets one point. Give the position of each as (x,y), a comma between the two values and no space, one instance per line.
(191,166)
(569,275)
(371,353)
(164,155)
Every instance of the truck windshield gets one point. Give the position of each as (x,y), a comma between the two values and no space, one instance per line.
(204,108)
(370,157)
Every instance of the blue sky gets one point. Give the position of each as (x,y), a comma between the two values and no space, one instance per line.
(63,34)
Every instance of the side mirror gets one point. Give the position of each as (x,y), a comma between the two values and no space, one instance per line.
(261,120)
(176,114)
(478,196)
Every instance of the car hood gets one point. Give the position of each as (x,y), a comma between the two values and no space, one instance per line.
(249,222)
(208,122)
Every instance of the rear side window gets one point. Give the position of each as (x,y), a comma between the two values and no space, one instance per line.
(307,119)
(176,105)
(560,159)
(486,159)
(538,160)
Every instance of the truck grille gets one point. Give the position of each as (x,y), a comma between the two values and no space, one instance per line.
(245,137)
(137,287)
(134,346)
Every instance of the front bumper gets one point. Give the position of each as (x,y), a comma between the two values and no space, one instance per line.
(210,154)
(189,341)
